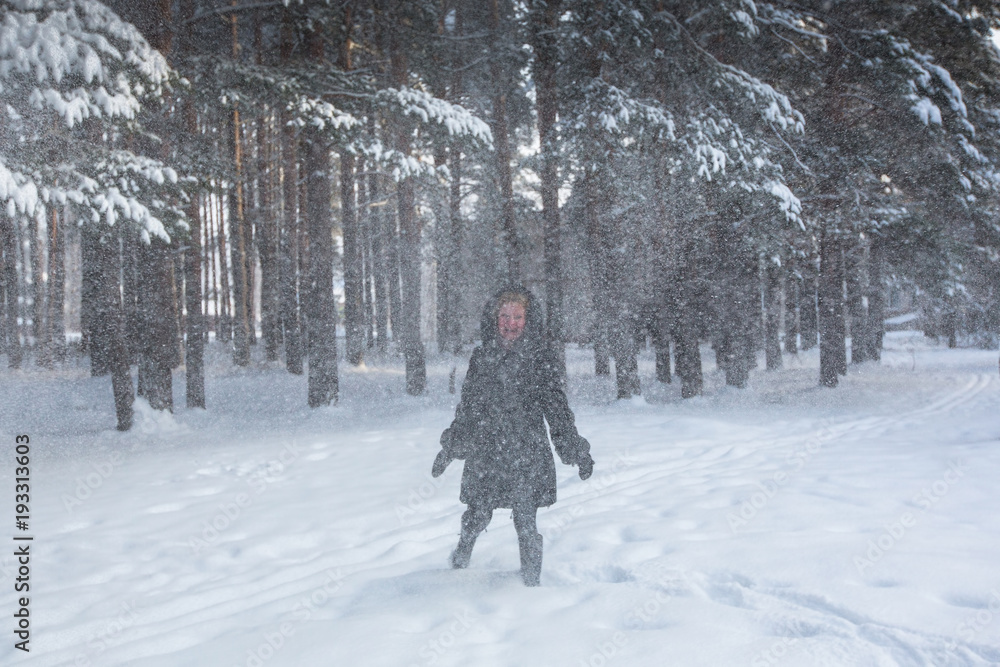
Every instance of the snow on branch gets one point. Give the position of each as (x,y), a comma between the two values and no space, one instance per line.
(614,111)
(456,119)
(322,115)
(17,191)
(77,58)
(399,166)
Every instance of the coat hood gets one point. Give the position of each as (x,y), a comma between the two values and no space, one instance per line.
(534,328)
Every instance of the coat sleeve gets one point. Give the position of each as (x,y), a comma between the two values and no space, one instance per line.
(569,444)
(458,438)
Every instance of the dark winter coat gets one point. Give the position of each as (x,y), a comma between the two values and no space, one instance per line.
(499,426)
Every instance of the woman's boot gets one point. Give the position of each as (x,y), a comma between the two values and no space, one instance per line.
(531,559)
(463,552)
(474,521)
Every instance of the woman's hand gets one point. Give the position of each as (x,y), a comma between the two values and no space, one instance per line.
(586,466)
(441,462)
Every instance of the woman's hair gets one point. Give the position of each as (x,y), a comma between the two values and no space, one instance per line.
(512,297)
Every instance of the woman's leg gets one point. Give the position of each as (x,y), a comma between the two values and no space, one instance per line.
(474,521)
(530,543)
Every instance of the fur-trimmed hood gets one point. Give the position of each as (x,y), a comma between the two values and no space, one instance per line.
(534,326)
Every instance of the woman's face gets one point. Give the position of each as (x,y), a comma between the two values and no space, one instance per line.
(510,321)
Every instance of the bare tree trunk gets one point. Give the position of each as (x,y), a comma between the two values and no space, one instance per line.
(224,265)
(38,329)
(456,279)
(57,286)
(855,269)
(409,251)
(546,56)
(739,278)
(772,315)
(598,279)
(289,254)
(8,248)
(101,295)
(239,246)
(808,305)
(288,235)
(194,348)
(365,243)
(267,245)
(353,300)
(831,314)
(158,351)
(876,297)
(687,354)
(379,228)
(323,379)
(502,152)
(792,285)
(353,306)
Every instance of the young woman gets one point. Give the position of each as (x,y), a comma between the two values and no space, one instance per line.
(512,388)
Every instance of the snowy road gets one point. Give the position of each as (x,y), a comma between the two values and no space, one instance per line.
(781,525)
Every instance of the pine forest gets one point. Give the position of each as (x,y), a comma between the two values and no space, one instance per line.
(316,183)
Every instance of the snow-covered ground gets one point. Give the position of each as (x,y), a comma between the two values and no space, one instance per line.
(784,524)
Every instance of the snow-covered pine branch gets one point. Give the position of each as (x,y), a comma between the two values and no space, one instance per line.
(75,78)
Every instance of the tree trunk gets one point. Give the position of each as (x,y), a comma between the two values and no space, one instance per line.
(876,298)
(288,235)
(321,311)
(409,250)
(239,250)
(322,314)
(238,232)
(365,243)
(792,296)
(502,151)
(194,344)
(101,296)
(57,285)
(772,314)
(661,340)
(832,348)
(854,273)
(739,278)
(689,312)
(101,292)
(288,248)
(546,56)
(38,329)
(353,304)
(158,352)
(8,248)
(380,279)
(267,245)
(456,275)
(808,306)
(599,332)
(353,300)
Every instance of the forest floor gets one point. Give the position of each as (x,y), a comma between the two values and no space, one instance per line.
(782,524)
